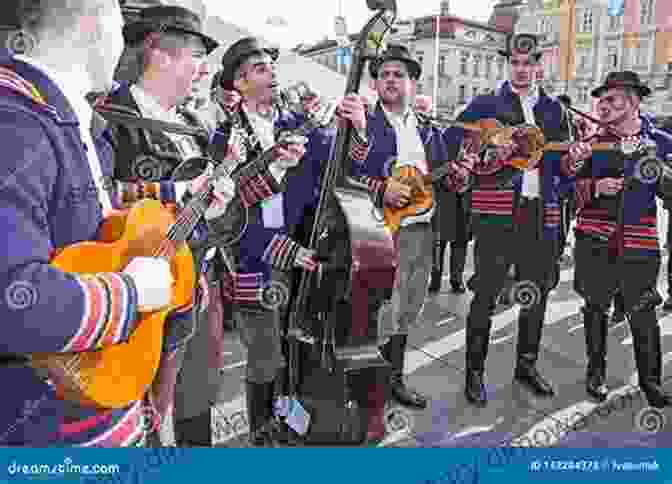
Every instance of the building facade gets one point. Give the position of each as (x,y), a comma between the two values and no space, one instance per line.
(468,62)
(600,50)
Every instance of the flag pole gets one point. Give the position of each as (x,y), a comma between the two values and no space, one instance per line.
(435,95)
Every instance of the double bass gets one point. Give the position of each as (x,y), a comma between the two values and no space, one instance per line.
(334,323)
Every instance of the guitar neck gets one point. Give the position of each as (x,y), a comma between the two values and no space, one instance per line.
(565,145)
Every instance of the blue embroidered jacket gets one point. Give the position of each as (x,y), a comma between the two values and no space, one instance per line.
(494,203)
(265,242)
(383,153)
(48,200)
(597,217)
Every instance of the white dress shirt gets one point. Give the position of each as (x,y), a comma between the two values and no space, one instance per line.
(531,181)
(75,84)
(264,128)
(410,152)
(151,108)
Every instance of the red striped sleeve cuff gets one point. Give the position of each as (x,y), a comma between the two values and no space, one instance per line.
(110,311)
(281,252)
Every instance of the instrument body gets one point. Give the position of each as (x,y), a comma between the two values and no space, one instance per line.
(333,327)
(116,375)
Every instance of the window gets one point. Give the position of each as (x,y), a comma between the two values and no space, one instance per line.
(586,25)
(646,11)
(642,54)
(612,58)
(488,67)
(477,66)
(462,93)
(614,22)
(420,55)
(463,63)
(545,25)
(442,65)
(585,59)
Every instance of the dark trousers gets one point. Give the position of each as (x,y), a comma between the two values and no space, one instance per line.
(497,248)
(457,261)
(597,277)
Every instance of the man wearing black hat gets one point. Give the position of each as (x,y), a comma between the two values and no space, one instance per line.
(616,232)
(248,95)
(172,50)
(516,216)
(406,142)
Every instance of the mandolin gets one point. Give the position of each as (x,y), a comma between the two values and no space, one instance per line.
(117,375)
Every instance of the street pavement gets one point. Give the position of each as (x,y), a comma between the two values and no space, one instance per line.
(435,366)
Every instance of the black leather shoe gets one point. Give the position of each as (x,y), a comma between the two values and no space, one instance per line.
(435,283)
(474,389)
(406,396)
(618,316)
(532,379)
(458,287)
(656,397)
(596,388)
(667,306)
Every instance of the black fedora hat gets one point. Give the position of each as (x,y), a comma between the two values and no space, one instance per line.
(521,44)
(238,53)
(396,53)
(622,79)
(164,18)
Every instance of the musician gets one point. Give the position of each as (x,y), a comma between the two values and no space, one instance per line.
(621,253)
(402,137)
(516,218)
(56,152)
(173,52)
(266,252)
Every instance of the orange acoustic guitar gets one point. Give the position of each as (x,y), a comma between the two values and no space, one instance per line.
(117,375)
(421,185)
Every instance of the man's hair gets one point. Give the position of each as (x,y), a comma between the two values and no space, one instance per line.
(58,17)
(170,42)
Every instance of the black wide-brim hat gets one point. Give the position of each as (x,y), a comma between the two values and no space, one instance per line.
(521,44)
(238,53)
(166,18)
(622,79)
(396,53)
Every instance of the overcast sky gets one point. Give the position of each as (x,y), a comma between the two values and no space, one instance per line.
(310,20)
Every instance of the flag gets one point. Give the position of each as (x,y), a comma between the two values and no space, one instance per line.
(631,23)
(616,8)
(663,32)
(568,40)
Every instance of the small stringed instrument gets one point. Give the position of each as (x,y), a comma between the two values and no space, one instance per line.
(117,375)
